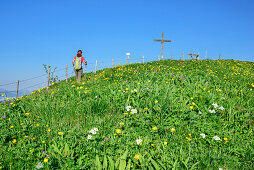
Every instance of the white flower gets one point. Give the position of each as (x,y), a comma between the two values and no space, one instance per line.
(203,135)
(135,90)
(133,111)
(200,112)
(220,169)
(92,131)
(95,129)
(95,96)
(139,141)
(128,108)
(221,108)
(215,105)
(89,136)
(211,111)
(216,138)
(39,165)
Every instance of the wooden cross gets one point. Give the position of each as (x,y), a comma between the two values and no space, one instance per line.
(162,41)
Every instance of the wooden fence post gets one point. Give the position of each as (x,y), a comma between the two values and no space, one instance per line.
(183,56)
(66,73)
(171,57)
(17,89)
(112,62)
(219,56)
(143,59)
(128,59)
(48,76)
(205,54)
(159,58)
(95,66)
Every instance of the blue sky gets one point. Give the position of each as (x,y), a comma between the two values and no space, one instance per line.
(51,31)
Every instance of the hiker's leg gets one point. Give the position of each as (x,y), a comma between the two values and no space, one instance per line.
(76,72)
(80,74)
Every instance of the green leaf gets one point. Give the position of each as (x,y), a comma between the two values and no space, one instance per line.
(123,161)
(161,164)
(105,163)
(193,166)
(66,150)
(128,165)
(156,166)
(98,163)
(122,164)
(174,166)
(56,149)
(111,163)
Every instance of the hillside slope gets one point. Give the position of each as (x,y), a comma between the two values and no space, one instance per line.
(167,114)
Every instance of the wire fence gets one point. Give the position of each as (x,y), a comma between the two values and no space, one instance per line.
(26,86)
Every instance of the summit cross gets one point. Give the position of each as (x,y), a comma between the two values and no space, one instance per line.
(162,41)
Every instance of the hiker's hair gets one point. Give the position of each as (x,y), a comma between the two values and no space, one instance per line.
(80,51)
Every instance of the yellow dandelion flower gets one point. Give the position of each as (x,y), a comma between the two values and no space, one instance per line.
(46,160)
(27,114)
(126,113)
(152,144)
(121,123)
(11,126)
(154,128)
(191,107)
(49,130)
(43,142)
(165,143)
(146,108)
(156,101)
(60,133)
(118,131)
(173,129)
(136,157)
(37,124)
(14,141)
(225,139)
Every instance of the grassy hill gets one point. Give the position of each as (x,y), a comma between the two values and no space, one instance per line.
(158,115)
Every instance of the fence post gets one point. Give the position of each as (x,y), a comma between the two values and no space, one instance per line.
(159,58)
(66,73)
(17,89)
(143,59)
(183,56)
(219,56)
(127,59)
(205,54)
(171,57)
(112,62)
(48,76)
(95,66)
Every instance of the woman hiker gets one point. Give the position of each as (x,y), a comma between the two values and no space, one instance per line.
(77,64)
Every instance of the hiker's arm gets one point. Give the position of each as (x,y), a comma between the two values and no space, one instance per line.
(73,62)
(84,62)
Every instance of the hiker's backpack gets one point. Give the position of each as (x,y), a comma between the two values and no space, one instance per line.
(78,64)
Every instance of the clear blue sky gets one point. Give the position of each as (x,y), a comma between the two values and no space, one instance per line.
(34,32)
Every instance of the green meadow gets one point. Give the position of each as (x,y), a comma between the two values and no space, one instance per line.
(164,114)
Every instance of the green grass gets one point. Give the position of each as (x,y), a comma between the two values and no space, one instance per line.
(168,94)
